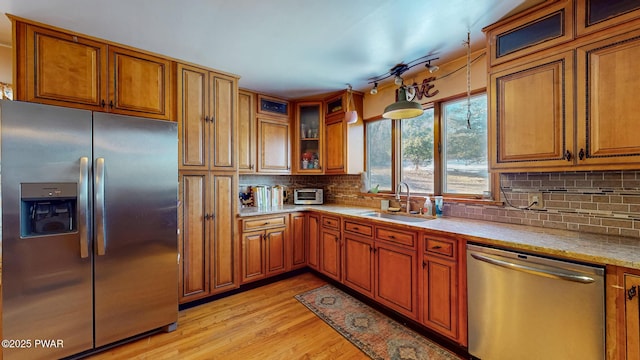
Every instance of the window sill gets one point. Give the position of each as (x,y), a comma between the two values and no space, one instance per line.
(447,199)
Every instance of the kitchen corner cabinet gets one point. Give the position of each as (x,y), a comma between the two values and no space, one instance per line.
(442,284)
(264,247)
(298,256)
(330,248)
(209,254)
(246,132)
(206,119)
(313,240)
(532,131)
(309,138)
(67,69)
(344,143)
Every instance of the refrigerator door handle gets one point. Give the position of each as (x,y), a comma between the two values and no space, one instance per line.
(83,207)
(99,204)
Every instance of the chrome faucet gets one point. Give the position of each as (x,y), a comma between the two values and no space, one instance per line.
(399,189)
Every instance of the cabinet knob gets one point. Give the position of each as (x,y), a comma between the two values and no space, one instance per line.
(111,104)
(251,166)
(102,103)
(631,293)
(424,264)
(206,118)
(581,154)
(567,155)
(206,216)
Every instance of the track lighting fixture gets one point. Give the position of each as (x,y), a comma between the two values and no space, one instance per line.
(432,68)
(404,107)
(374,90)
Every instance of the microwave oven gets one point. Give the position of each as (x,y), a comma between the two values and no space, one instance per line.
(307,196)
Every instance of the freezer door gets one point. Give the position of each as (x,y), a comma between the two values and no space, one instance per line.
(136,270)
(46,274)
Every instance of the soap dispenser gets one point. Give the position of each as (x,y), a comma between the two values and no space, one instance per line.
(426,208)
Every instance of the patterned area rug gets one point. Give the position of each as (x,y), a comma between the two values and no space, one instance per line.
(372,332)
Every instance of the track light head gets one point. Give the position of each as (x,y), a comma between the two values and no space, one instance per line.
(374,90)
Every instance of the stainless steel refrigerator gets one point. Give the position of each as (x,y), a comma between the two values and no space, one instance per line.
(89,229)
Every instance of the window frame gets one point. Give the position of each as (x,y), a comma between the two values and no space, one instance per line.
(438,162)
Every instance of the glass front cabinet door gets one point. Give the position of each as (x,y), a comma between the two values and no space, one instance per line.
(309,138)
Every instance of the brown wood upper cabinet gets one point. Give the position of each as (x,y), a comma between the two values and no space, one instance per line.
(206,119)
(532,131)
(344,143)
(246,132)
(570,105)
(68,69)
(607,95)
(309,138)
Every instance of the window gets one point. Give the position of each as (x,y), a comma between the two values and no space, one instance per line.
(416,153)
(453,161)
(379,154)
(465,146)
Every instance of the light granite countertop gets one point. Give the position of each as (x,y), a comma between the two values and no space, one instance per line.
(585,247)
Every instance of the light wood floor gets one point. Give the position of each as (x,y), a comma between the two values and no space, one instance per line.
(263,323)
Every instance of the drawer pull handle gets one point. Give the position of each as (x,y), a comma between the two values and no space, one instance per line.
(391,237)
(436,247)
(631,293)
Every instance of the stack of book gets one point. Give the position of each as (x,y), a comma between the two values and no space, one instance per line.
(265,197)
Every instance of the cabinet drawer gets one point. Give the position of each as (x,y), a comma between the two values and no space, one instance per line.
(331,222)
(444,247)
(358,228)
(262,223)
(396,236)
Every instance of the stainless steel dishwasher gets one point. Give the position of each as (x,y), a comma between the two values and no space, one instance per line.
(529,307)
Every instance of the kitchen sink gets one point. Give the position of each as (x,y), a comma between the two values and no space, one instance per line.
(396,217)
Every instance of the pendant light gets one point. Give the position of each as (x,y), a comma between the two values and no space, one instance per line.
(403,108)
(350,117)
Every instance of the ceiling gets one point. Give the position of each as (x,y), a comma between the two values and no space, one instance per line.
(287,48)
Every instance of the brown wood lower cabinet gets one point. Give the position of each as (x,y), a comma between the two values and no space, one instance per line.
(442,284)
(313,240)
(330,254)
(396,278)
(207,244)
(623,333)
(264,244)
(298,255)
(358,263)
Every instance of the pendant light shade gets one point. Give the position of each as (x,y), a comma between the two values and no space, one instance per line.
(402,109)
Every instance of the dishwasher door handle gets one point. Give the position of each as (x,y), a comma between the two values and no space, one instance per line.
(535,271)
